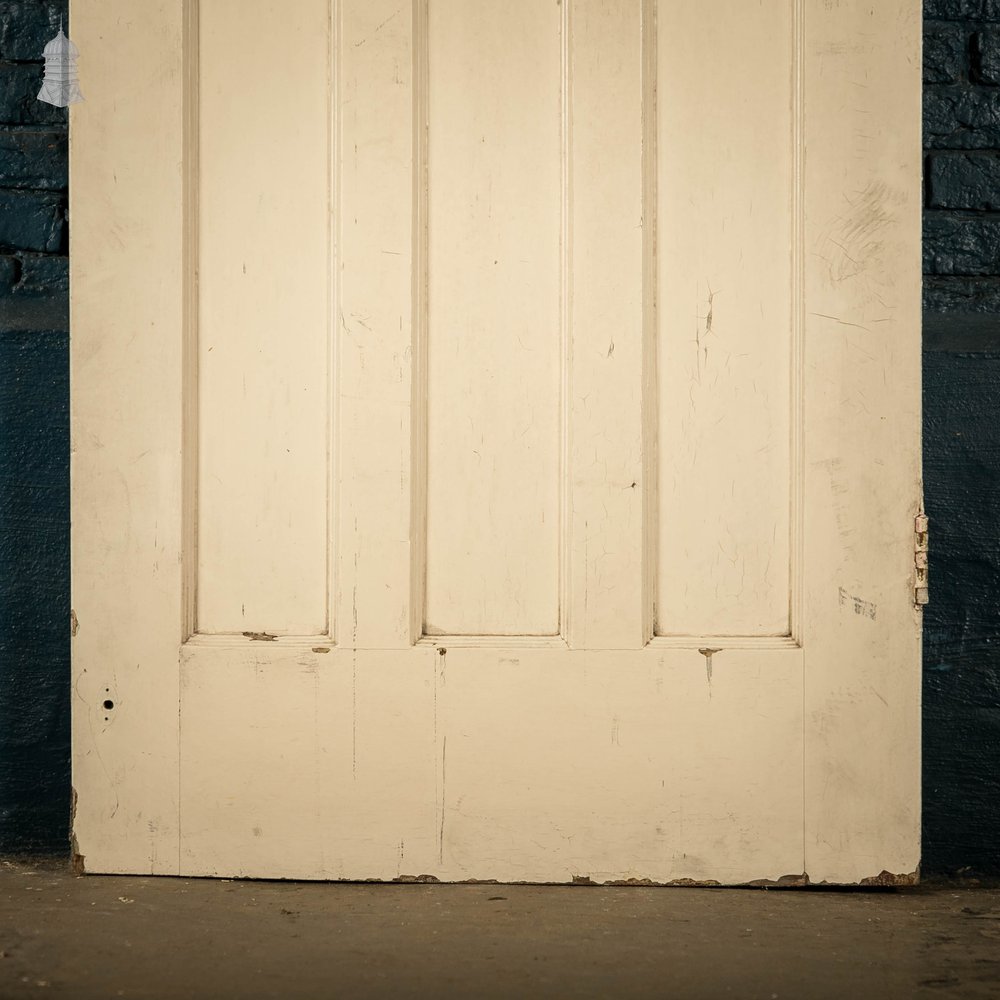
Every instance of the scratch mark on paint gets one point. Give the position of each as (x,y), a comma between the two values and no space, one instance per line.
(354,715)
(444,765)
(708,654)
(358,45)
(611,350)
(842,322)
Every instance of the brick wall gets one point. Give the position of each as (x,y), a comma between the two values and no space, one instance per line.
(34,440)
(962,435)
(962,168)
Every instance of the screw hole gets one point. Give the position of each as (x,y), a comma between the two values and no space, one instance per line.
(442,651)
(109,704)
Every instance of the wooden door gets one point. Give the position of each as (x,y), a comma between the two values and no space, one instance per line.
(495,439)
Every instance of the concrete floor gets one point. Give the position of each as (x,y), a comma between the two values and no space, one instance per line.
(110,936)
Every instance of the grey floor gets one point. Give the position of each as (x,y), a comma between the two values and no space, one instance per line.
(111,936)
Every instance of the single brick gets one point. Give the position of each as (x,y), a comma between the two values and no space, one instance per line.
(32,220)
(953,10)
(966,245)
(945,52)
(972,296)
(9,267)
(43,275)
(35,159)
(26,25)
(985,57)
(964,181)
(961,117)
(19,104)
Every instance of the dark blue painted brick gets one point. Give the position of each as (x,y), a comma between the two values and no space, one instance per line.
(985,57)
(964,181)
(32,220)
(961,117)
(965,245)
(33,158)
(43,275)
(26,25)
(961,701)
(19,104)
(962,295)
(954,10)
(945,52)
(10,267)
(34,591)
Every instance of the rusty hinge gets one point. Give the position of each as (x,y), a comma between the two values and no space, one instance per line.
(921,595)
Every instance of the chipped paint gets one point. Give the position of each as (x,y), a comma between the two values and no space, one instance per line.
(708,654)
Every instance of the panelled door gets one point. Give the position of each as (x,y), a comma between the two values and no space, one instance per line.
(496,439)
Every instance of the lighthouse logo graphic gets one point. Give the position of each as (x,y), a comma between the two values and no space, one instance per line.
(60,85)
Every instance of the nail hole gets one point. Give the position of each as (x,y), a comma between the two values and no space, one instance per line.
(109,704)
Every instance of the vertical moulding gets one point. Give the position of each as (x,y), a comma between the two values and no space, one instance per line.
(493,287)
(796,544)
(418,425)
(650,382)
(333,363)
(565,314)
(189,374)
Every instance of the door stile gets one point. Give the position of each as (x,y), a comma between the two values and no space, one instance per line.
(861,631)
(128,315)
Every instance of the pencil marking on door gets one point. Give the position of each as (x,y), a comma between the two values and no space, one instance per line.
(444,766)
(867,609)
(354,714)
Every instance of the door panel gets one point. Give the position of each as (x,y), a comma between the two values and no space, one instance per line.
(617,758)
(728,277)
(264,282)
(494,353)
(491,571)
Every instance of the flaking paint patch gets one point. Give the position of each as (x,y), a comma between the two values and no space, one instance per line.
(260,636)
(885,878)
(77,860)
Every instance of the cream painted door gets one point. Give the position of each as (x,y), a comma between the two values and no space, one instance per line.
(495,439)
